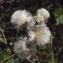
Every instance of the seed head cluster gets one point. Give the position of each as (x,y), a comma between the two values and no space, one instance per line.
(38,34)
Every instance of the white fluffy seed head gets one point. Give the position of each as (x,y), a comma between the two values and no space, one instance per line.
(41,34)
(21,49)
(20,17)
(42,15)
(43,12)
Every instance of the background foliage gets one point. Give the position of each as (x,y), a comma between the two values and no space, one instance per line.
(51,53)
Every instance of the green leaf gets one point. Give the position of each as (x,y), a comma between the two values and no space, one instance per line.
(59,16)
(60,20)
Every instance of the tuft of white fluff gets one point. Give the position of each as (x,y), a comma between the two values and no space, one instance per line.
(43,12)
(20,17)
(41,34)
(31,35)
(42,15)
(20,48)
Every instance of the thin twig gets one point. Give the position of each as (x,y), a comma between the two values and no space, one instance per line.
(3,36)
(6,10)
(29,60)
(7,58)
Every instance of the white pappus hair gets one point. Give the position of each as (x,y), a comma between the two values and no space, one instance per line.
(31,35)
(20,17)
(21,49)
(43,12)
(42,15)
(41,34)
